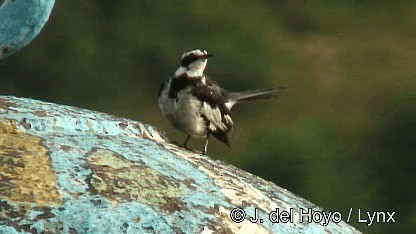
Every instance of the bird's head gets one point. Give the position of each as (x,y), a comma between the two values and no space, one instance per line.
(193,63)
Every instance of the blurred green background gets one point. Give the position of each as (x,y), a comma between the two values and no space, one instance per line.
(342,135)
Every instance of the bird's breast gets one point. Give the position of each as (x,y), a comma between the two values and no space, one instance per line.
(183,112)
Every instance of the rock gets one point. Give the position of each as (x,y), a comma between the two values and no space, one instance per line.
(69,170)
(20,22)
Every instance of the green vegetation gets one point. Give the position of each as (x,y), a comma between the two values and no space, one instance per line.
(342,135)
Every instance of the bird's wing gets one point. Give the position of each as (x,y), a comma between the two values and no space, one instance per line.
(214,85)
(214,111)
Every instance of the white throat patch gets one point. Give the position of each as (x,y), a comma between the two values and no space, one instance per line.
(194,71)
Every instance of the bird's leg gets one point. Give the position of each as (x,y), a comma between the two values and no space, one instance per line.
(186,141)
(206,144)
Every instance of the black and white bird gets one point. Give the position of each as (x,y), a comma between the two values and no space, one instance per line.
(196,104)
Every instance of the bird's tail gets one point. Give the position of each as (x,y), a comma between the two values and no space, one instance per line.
(236,97)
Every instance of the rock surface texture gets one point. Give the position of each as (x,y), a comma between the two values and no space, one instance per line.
(70,170)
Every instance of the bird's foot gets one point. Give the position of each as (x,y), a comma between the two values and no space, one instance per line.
(185,146)
(182,145)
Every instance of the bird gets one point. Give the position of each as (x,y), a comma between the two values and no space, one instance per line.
(197,105)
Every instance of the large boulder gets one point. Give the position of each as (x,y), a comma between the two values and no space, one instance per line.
(69,170)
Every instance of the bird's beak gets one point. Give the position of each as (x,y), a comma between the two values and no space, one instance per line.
(205,56)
